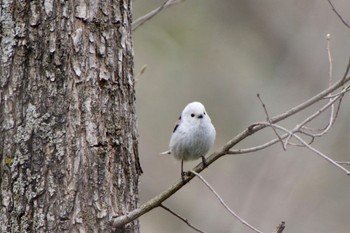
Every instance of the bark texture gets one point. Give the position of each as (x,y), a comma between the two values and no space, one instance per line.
(68,140)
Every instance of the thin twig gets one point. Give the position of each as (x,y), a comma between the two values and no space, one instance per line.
(330,60)
(313,149)
(256,148)
(224,204)
(293,132)
(346,73)
(310,118)
(340,95)
(181,218)
(345,89)
(262,146)
(301,145)
(138,22)
(327,127)
(303,128)
(268,120)
(342,162)
(330,103)
(339,16)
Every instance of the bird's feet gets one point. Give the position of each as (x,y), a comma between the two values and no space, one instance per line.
(204,162)
(184,175)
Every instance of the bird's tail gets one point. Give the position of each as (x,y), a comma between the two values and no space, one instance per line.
(168,152)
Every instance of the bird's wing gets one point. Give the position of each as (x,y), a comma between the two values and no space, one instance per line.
(177,124)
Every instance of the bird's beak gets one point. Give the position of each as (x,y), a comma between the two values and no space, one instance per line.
(200,116)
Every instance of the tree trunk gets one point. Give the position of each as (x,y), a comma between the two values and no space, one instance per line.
(68,142)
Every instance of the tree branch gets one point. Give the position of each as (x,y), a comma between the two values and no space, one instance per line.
(268,120)
(138,22)
(298,128)
(224,204)
(342,162)
(313,149)
(181,218)
(339,16)
(119,221)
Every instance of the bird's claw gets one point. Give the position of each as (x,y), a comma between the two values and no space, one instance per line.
(204,162)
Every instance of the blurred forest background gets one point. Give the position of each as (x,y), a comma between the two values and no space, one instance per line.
(223,53)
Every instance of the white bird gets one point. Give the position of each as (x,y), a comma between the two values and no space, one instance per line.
(193,135)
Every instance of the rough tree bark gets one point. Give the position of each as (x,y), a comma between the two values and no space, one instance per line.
(68,142)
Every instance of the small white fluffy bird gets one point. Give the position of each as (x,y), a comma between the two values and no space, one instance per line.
(193,135)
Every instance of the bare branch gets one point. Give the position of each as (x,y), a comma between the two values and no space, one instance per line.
(332,121)
(118,221)
(314,99)
(256,148)
(263,146)
(342,162)
(330,60)
(332,115)
(138,22)
(313,116)
(325,129)
(345,89)
(224,204)
(181,218)
(268,120)
(301,145)
(299,126)
(339,16)
(313,149)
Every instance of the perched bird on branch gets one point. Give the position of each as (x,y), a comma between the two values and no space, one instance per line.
(193,135)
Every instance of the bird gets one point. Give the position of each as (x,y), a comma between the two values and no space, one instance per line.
(193,135)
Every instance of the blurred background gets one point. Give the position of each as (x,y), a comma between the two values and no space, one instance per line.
(222,53)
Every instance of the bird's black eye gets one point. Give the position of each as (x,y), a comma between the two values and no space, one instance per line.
(204,113)
(192,115)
